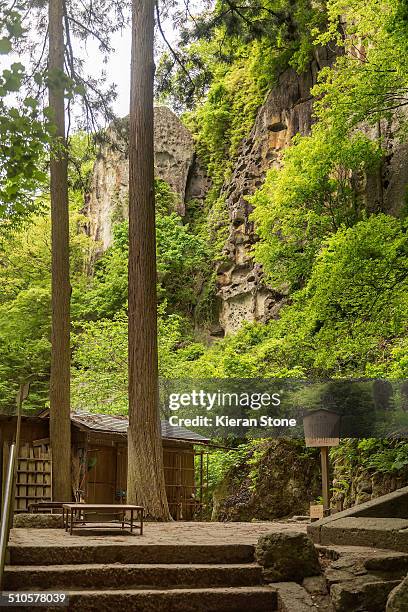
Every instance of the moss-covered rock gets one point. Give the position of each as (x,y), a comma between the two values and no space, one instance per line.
(37,521)
(398,598)
(278,478)
(287,556)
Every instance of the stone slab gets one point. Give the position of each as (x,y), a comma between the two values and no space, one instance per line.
(116,575)
(392,505)
(256,599)
(293,598)
(37,521)
(375,532)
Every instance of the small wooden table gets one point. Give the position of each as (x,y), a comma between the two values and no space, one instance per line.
(74,514)
(46,505)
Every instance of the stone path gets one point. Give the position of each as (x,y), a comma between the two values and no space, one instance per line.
(195,567)
(156,533)
(183,567)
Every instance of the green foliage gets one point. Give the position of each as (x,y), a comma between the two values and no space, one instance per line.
(350,319)
(312,196)
(98,301)
(226,32)
(25,280)
(81,154)
(220,463)
(228,59)
(370,79)
(357,295)
(25,308)
(181,254)
(23,134)
(99,377)
(383,455)
(100,342)
(227,114)
(100,373)
(370,456)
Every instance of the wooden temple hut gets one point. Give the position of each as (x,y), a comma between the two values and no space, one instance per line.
(99,461)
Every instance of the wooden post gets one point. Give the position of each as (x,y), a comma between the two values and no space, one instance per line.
(201,481)
(324,456)
(322,429)
(1,474)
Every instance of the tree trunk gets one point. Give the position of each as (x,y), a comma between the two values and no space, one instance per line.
(145,452)
(60,422)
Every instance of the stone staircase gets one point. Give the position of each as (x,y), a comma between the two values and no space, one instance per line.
(159,577)
(361,578)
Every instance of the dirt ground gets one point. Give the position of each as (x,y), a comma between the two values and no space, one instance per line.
(155,533)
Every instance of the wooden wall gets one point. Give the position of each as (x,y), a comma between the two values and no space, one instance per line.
(179,477)
(107,481)
(31,429)
(34,461)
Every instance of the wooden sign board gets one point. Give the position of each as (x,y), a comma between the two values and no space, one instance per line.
(316,511)
(322,428)
(318,442)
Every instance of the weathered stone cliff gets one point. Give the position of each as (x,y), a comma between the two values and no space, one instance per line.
(279,482)
(287,110)
(175,163)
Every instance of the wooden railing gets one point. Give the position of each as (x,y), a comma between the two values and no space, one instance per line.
(9,490)
(7,510)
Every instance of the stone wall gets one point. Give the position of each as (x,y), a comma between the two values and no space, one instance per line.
(282,482)
(364,484)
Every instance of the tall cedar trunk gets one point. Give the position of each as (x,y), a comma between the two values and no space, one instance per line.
(60,424)
(145,454)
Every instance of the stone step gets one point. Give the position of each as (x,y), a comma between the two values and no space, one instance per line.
(131,554)
(386,533)
(235,599)
(131,576)
(361,594)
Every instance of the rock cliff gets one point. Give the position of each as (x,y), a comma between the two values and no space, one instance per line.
(175,163)
(287,110)
(277,482)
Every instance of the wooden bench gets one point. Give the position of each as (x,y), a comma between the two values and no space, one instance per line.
(45,505)
(75,514)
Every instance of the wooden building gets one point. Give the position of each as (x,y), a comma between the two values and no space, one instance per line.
(99,461)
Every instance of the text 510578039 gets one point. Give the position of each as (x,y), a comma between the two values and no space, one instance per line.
(10,599)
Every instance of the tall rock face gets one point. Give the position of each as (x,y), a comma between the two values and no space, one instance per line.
(241,289)
(387,190)
(287,110)
(175,163)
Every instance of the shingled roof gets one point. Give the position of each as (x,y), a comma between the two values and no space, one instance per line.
(108,423)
